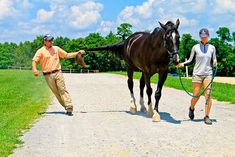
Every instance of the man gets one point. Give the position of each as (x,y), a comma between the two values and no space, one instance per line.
(48,56)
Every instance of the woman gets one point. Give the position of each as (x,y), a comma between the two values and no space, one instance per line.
(204,54)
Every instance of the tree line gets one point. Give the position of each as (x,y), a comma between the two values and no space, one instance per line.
(12,54)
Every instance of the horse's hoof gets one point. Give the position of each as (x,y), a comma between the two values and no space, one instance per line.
(150,111)
(133,110)
(143,109)
(156,117)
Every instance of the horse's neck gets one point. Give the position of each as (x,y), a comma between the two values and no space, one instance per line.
(156,46)
(156,40)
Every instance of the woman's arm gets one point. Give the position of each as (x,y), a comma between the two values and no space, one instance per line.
(189,61)
(214,58)
(192,55)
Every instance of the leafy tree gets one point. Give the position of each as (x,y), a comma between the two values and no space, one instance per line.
(186,45)
(233,40)
(6,54)
(94,40)
(21,54)
(233,36)
(224,33)
(124,30)
(71,46)
(111,38)
(225,57)
(61,42)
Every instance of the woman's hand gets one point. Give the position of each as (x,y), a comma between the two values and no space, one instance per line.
(179,65)
(214,63)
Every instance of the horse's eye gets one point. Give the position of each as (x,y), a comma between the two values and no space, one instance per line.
(168,35)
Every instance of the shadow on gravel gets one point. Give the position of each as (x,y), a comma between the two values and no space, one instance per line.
(138,113)
(56,112)
(164,116)
(110,111)
(168,118)
(143,114)
(198,120)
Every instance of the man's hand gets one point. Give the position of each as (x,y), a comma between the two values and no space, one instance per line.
(35,72)
(81,52)
(179,65)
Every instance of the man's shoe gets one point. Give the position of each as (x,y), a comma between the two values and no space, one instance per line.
(69,113)
(207,120)
(191,113)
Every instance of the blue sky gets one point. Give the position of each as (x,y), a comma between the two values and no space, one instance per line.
(22,20)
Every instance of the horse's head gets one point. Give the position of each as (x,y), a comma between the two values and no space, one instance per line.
(171,40)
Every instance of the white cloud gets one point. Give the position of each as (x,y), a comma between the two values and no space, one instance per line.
(26,4)
(189,6)
(11,8)
(6,8)
(145,10)
(105,27)
(226,6)
(86,14)
(74,18)
(40,30)
(192,14)
(135,14)
(43,16)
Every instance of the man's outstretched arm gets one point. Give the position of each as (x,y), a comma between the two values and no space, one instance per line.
(34,68)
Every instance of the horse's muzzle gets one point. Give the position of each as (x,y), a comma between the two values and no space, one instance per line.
(176,59)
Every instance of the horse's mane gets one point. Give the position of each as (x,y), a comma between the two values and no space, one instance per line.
(158,29)
(170,23)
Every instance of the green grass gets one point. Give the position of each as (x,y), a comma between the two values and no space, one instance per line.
(221,91)
(22,98)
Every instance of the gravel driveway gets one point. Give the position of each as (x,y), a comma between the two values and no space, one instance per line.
(103,127)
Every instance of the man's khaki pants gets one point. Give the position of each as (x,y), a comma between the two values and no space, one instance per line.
(56,83)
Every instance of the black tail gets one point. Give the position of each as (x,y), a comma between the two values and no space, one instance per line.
(116,48)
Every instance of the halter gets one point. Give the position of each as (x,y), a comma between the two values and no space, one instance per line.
(171,54)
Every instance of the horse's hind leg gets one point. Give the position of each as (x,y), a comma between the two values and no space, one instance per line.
(149,93)
(142,84)
(133,107)
(158,93)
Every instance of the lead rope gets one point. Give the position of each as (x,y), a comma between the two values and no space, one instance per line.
(197,96)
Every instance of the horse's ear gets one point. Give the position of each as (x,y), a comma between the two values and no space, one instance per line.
(162,25)
(177,23)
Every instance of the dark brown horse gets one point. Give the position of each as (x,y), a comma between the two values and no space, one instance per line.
(151,53)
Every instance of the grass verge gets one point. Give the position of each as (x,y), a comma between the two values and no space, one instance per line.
(22,98)
(220,92)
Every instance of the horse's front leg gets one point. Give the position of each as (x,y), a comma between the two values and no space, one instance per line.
(149,92)
(158,93)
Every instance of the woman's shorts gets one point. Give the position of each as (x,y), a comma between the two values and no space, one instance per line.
(201,78)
